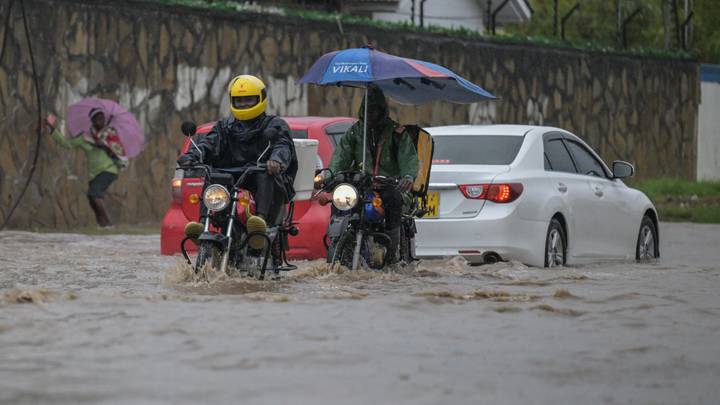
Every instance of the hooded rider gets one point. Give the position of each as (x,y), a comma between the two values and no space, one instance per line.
(239,140)
(390,152)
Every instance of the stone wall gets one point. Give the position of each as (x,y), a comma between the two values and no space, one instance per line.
(168,64)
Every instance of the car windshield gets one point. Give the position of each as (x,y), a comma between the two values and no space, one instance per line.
(476,149)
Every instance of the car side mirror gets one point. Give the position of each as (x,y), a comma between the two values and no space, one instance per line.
(622,169)
(188,128)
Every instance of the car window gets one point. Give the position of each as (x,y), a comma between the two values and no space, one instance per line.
(299,133)
(476,149)
(586,162)
(557,156)
(336,131)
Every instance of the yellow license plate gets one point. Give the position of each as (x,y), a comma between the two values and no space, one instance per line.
(433,205)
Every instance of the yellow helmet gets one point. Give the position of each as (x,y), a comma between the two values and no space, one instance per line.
(248,97)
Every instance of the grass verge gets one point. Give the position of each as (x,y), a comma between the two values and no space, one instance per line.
(683,200)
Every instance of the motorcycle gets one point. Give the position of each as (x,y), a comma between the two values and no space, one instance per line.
(356,234)
(225,242)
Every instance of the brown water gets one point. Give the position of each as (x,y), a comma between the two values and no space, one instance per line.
(105,319)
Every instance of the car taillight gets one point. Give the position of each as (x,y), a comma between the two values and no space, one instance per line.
(177,186)
(498,193)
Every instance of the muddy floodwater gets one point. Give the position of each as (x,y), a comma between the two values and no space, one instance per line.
(106,319)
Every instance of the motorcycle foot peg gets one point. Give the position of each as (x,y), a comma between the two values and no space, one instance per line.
(193,230)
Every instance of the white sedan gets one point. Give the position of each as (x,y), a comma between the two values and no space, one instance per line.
(539,195)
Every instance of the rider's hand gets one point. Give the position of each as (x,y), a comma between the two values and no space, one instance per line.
(187,160)
(325,198)
(273,167)
(405,184)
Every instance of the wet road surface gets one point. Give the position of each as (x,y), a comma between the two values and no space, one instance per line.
(105,319)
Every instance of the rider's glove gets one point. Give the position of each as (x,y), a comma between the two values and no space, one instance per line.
(405,184)
(186,160)
(273,167)
(325,198)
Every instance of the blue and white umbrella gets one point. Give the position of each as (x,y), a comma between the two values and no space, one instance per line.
(407,81)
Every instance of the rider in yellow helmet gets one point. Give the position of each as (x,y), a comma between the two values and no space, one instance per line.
(239,140)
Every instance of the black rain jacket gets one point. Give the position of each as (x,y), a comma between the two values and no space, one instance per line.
(236,144)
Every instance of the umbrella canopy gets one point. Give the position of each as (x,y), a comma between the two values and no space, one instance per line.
(128,128)
(408,81)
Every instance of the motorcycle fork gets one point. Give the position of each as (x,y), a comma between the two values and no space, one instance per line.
(228,234)
(359,238)
(356,252)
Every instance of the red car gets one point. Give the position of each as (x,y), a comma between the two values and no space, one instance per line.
(312,218)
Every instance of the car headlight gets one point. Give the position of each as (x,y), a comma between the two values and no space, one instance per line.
(216,197)
(345,197)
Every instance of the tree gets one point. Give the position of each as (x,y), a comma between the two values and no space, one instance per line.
(656,25)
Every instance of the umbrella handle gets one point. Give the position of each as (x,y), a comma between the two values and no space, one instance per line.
(364,145)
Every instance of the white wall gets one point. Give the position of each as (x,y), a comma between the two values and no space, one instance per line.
(708,153)
(444,13)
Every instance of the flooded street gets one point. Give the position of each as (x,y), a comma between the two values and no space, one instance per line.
(106,319)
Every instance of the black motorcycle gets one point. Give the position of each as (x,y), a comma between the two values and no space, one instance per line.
(225,242)
(357,235)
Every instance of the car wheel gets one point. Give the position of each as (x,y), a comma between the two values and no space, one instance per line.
(647,243)
(555,245)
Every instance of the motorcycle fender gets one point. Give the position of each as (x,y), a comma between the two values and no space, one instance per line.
(217,238)
(337,226)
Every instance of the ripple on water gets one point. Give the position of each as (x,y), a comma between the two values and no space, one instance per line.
(36,296)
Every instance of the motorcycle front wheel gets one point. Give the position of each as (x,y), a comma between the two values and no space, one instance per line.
(208,253)
(344,249)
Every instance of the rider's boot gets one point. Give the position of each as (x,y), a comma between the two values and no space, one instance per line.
(193,230)
(391,257)
(256,223)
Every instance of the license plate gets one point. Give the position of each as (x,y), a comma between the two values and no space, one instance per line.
(433,205)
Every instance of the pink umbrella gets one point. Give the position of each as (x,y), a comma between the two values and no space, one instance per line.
(128,129)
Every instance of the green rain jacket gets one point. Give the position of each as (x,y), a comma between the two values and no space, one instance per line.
(97,159)
(396,150)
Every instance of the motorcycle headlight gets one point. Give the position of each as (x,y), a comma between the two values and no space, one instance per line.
(345,197)
(216,198)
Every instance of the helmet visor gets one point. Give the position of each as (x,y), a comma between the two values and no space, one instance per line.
(245,102)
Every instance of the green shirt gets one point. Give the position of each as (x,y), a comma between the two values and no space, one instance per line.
(97,159)
(398,156)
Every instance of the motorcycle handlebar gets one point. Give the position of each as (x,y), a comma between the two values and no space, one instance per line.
(359,177)
(243,171)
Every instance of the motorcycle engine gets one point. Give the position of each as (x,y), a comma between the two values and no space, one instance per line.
(377,255)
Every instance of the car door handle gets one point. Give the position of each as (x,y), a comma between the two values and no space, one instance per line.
(562,188)
(599,192)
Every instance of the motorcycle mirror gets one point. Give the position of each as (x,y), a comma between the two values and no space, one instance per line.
(188,128)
